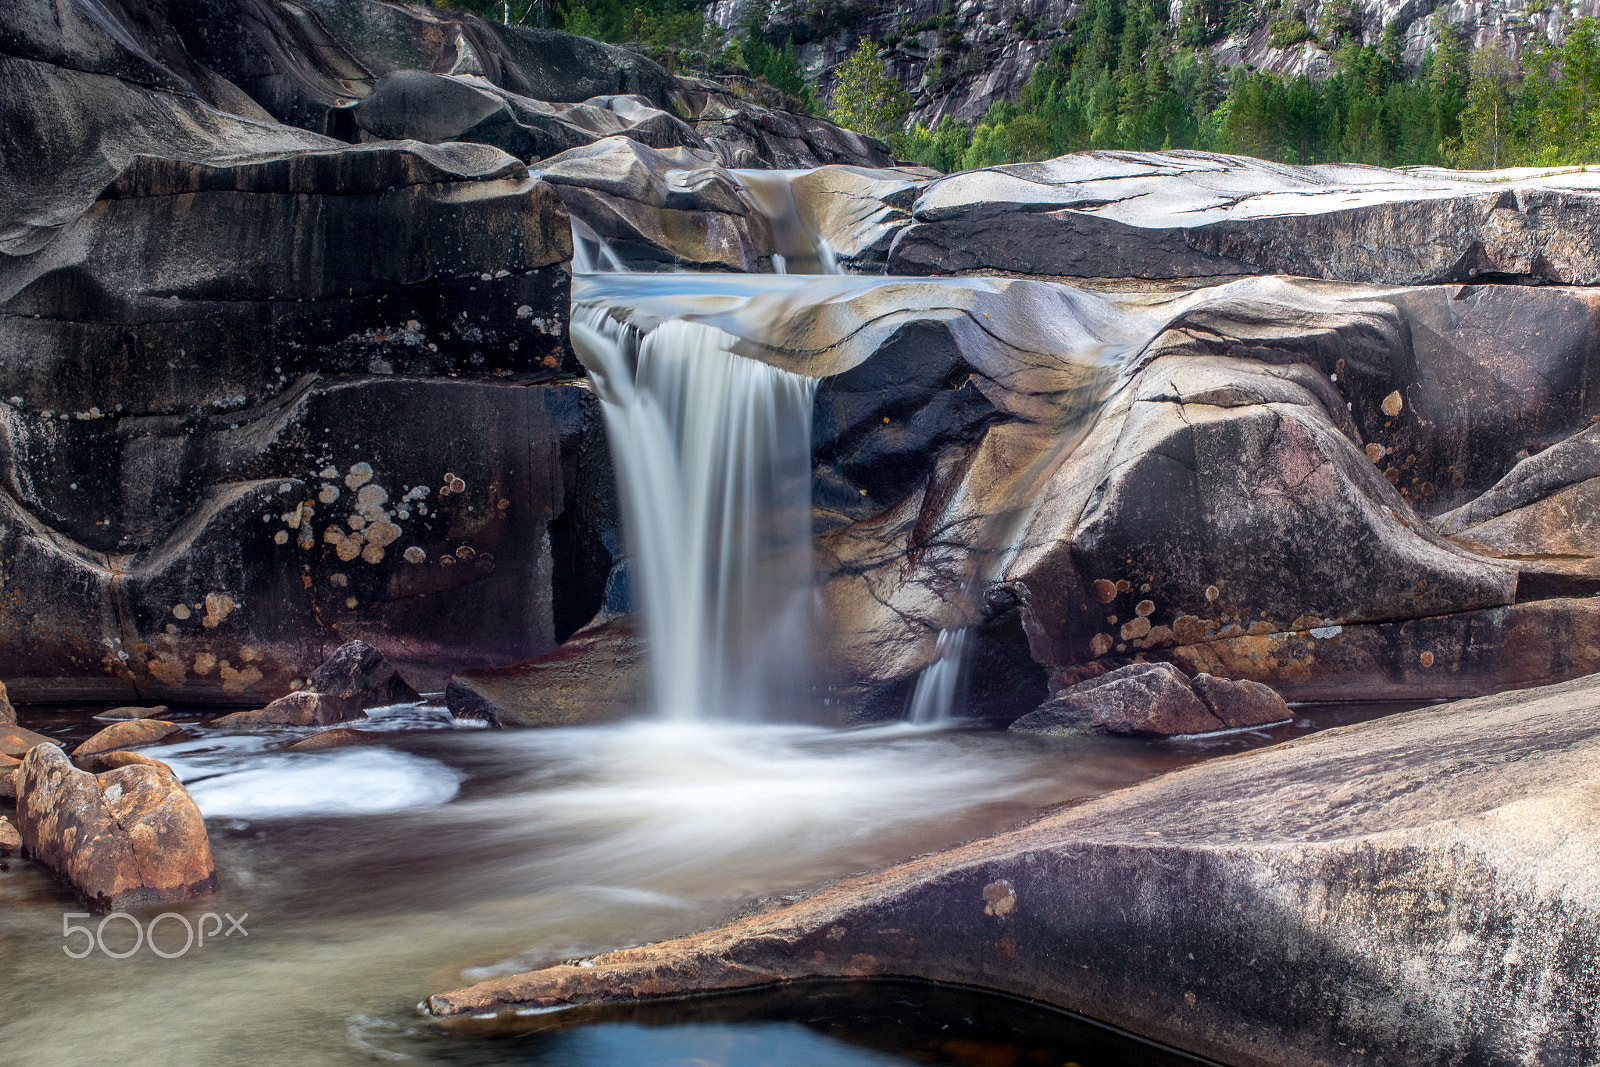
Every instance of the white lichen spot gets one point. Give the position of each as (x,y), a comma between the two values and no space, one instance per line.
(329,494)
(237,681)
(999,898)
(360,474)
(415,555)
(372,553)
(204,663)
(330,473)
(281,537)
(349,601)
(371,496)
(356,522)
(180,611)
(465,552)
(349,548)
(382,533)
(1322,633)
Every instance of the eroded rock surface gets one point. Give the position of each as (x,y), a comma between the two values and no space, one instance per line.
(1419,888)
(1182,214)
(126,837)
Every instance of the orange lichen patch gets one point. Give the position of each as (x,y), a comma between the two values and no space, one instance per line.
(167,667)
(1306,622)
(1123,585)
(281,537)
(382,533)
(372,553)
(1427,659)
(1103,591)
(1135,628)
(360,474)
(1188,629)
(237,681)
(328,494)
(250,653)
(204,663)
(1212,592)
(861,965)
(1144,607)
(999,898)
(1374,451)
(218,607)
(1393,404)
(180,612)
(1100,644)
(1257,628)
(415,555)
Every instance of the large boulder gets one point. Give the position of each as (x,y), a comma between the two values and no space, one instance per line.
(1182,214)
(1413,890)
(130,836)
(598,675)
(1155,700)
(358,674)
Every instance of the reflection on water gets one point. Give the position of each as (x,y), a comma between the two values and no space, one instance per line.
(439,854)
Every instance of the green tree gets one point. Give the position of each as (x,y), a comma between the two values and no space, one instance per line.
(1487,121)
(865,98)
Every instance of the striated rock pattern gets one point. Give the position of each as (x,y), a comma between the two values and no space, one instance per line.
(1433,870)
(127,837)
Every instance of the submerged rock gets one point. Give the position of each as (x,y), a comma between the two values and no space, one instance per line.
(16,741)
(124,714)
(127,837)
(336,738)
(1418,887)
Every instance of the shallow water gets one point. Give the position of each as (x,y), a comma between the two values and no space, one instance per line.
(443,853)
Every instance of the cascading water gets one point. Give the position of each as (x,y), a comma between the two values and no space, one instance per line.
(713,462)
(797,249)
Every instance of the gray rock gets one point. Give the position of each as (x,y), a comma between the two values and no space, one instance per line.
(1165,215)
(1140,700)
(358,674)
(1414,890)
(598,675)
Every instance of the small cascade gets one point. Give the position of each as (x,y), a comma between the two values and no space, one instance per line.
(939,684)
(713,455)
(590,253)
(797,249)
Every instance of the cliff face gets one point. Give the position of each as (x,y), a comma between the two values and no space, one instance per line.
(959,56)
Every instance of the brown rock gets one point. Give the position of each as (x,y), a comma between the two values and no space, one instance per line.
(15,741)
(597,676)
(1242,703)
(1141,700)
(304,708)
(337,738)
(130,734)
(10,840)
(123,714)
(8,714)
(127,837)
(8,784)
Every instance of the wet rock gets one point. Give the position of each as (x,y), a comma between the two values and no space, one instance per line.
(335,738)
(1195,214)
(8,784)
(10,839)
(358,675)
(1283,906)
(130,836)
(124,714)
(1240,703)
(16,741)
(130,734)
(1140,700)
(303,708)
(598,675)
(8,714)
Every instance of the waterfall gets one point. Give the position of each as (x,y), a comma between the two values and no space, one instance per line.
(796,248)
(713,456)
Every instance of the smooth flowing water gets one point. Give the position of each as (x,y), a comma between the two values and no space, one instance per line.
(444,853)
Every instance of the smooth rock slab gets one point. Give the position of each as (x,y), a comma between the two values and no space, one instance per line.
(127,837)
(1416,890)
(130,734)
(304,708)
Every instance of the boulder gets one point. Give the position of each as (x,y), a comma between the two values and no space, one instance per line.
(302,708)
(8,714)
(338,737)
(10,839)
(598,675)
(8,783)
(1183,214)
(358,675)
(1240,703)
(1140,700)
(1418,888)
(126,713)
(127,837)
(130,734)
(16,741)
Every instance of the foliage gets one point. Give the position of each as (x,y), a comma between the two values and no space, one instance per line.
(865,97)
